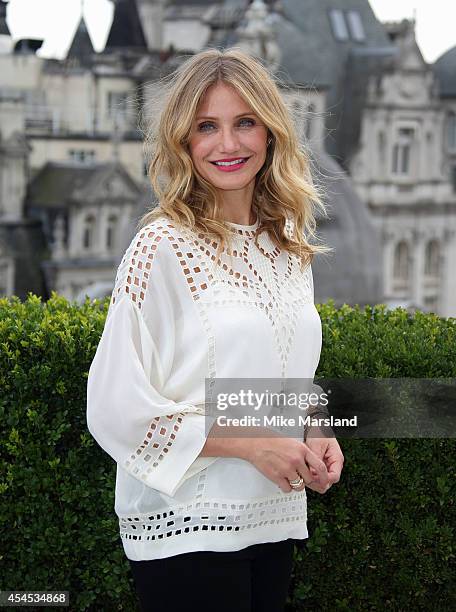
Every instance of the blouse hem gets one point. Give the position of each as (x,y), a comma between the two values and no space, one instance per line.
(216,542)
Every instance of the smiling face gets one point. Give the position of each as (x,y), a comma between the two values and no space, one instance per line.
(226,128)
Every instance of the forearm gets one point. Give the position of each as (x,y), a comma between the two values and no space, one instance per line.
(226,441)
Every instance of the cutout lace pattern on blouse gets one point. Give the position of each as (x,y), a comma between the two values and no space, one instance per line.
(249,276)
(132,279)
(133,272)
(214,515)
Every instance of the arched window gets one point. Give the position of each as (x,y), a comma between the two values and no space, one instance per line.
(111,232)
(432,258)
(88,232)
(401,263)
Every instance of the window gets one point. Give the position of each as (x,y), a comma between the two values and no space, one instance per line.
(338,24)
(347,25)
(401,268)
(451,131)
(82,156)
(88,231)
(111,233)
(402,151)
(356,26)
(432,258)
(381,144)
(117,103)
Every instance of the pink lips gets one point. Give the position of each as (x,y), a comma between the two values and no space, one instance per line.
(231,168)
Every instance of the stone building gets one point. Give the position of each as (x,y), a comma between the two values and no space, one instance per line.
(377,119)
(402,165)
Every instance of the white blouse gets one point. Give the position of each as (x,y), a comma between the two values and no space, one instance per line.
(173,321)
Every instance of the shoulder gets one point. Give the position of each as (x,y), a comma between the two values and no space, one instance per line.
(155,231)
(148,253)
(149,240)
(159,230)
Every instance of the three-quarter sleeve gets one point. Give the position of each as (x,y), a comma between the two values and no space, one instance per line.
(155,439)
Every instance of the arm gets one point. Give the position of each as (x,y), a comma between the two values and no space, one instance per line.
(152,437)
(322,441)
(276,456)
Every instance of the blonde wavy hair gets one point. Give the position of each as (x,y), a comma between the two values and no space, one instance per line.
(284,187)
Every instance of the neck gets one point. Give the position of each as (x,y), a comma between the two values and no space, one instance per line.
(237,205)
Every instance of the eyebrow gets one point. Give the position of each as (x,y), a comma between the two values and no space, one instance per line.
(236,117)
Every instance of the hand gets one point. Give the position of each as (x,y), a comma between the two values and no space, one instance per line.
(283,459)
(329,451)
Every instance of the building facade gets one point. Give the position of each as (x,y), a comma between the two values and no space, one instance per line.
(380,124)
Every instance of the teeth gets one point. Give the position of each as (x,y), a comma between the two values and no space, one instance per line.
(232,163)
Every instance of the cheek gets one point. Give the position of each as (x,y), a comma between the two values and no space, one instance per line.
(199,152)
(260,141)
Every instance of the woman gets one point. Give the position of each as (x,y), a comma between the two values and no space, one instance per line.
(216,284)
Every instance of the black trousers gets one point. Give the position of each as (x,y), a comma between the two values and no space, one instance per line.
(254,579)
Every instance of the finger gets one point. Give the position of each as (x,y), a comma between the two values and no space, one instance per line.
(283,477)
(334,476)
(296,477)
(320,472)
(314,461)
(334,455)
(315,486)
(304,474)
(284,485)
(335,469)
(301,471)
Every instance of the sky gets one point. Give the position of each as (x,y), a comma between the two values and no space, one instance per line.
(57,20)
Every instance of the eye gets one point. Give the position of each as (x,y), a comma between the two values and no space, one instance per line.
(202,126)
(251,121)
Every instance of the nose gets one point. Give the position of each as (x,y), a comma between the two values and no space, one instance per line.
(229,139)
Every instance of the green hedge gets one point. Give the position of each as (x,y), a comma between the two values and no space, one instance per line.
(382,538)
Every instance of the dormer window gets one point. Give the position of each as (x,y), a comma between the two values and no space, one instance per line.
(356,26)
(338,23)
(347,25)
